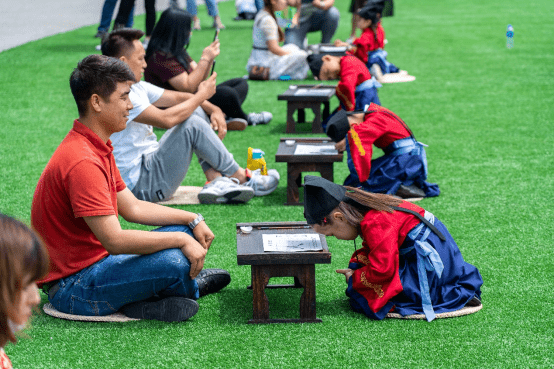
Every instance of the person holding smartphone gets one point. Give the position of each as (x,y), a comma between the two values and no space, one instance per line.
(170,66)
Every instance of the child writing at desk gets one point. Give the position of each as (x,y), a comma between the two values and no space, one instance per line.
(402,171)
(24,260)
(369,47)
(408,263)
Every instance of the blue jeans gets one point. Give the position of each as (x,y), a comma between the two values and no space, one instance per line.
(193,9)
(117,280)
(324,21)
(106,18)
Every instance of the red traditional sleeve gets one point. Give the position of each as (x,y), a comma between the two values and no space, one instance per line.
(377,280)
(360,139)
(346,89)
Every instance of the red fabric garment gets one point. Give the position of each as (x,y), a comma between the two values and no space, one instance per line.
(5,362)
(377,280)
(81,179)
(352,73)
(379,129)
(369,41)
(161,67)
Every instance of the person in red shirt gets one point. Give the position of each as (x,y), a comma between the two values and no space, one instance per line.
(402,171)
(408,264)
(24,260)
(96,267)
(356,87)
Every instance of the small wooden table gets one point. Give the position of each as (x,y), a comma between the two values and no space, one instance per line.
(296,164)
(265,265)
(311,99)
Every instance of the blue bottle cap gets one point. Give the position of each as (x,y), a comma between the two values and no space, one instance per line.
(284,77)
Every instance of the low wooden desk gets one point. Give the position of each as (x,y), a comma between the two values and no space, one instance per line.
(265,265)
(296,164)
(300,102)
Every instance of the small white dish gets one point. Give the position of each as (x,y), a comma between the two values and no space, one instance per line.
(290,142)
(246,229)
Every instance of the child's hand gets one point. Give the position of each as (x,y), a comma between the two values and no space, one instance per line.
(347,273)
(341,145)
(340,43)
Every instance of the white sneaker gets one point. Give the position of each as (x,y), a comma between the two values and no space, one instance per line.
(259,118)
(225,190)
(263,185)
(236,124)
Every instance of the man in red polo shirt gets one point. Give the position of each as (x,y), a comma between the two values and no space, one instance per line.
(97,268)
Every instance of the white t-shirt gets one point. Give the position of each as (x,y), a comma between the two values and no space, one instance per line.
(137,139)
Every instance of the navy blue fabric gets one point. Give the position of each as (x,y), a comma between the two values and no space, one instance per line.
(388,172)
(379,57)
(459,283)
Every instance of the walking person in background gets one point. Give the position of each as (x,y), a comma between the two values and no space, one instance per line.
(125,9)
(213,12)
(106,18)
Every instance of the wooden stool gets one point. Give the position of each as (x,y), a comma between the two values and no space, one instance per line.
(265,265)
(296,164)
(307,97)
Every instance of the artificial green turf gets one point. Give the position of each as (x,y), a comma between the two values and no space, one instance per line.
(486,113)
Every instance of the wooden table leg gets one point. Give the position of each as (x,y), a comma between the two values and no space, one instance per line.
(291,108)
(326,109)
(306,278)
(316,124)
(326,171)
(301,115)
(293,193)
(260,301)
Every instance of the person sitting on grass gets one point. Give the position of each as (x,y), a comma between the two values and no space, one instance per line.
(154,170)
(402,171)
(96,267)
(369,47)
(356,87)
(24,260)
(408,264)
(266,53)
(169,66)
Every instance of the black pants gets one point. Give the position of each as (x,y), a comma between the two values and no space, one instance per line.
(229,97)
(125,9)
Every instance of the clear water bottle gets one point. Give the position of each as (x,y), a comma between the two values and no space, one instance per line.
(510,37)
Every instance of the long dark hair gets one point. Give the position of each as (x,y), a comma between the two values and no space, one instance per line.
(23,259)
(365,201)
(269,5)
(171,35)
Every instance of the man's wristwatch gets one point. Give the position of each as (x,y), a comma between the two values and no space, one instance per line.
(195,222)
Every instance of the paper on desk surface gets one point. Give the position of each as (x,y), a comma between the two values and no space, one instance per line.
(312,91)
(291,242)
(302,149)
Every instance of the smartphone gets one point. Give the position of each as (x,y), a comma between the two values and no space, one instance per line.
(213,67)
(216,34)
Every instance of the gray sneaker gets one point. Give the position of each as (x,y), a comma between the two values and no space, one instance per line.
(259,118)
(225,190)
(263,185)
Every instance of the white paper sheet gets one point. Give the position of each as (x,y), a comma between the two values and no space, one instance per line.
(302,149)
(332,49)
(312,91)
(291,242)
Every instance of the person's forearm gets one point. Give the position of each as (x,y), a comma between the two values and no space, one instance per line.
(147,213)
(208,107)
(177,114)
(145,242)
(199,74)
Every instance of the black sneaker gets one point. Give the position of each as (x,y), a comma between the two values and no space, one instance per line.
(408,192)
(169,309)
(212,280)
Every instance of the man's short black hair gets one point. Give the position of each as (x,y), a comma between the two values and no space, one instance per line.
(97,74)
(118,43)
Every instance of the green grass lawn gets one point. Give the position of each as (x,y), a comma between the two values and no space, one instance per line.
(486,113)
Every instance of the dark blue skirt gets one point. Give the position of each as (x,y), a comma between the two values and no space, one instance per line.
(379,57)
(390,171)
(458,284)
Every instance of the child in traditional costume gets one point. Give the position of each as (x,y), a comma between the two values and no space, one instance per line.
(408,263)
(369,47)
(402,171)
(356,87)
(24,260)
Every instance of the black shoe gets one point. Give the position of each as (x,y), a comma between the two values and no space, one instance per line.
(100,34)
(212,280)
(169,309)
(408,192)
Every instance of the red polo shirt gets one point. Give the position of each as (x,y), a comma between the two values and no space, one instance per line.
(80,180)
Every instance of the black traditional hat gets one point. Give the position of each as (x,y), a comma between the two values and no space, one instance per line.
(377,5)
(320,198)
(315,62)
(338,126)
(370,12)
